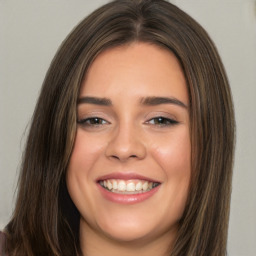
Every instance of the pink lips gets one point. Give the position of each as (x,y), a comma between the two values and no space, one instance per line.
(126,198)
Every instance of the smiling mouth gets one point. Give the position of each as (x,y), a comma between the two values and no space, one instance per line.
(120,186)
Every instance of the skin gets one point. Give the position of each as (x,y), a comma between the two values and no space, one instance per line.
(129,137)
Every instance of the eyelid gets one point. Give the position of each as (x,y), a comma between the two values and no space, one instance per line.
(85,113)
(166,121)
(83,120)
(163,114)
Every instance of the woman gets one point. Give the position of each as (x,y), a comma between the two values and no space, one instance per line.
(130,150)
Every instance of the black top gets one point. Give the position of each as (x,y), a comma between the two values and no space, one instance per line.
(2,244)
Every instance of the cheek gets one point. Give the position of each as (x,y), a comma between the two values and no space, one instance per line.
(174,157)
(173,153)
(80,173)
(85,153)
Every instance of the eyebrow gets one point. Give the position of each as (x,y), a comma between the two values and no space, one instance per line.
(95,100)
(148,101)
(152,101)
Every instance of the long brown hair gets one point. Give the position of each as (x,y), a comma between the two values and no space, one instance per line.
(45,221)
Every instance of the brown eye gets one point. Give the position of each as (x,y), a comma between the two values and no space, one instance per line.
(92,121)
(162,121)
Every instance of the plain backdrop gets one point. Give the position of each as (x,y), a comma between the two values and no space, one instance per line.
(30,33)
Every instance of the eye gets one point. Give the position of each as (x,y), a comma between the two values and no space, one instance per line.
(92,121)
(162,121)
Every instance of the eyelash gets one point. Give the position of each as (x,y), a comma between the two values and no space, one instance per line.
(92,121)
(97,121)
(162,121)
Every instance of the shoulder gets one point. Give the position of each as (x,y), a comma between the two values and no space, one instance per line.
(2,243)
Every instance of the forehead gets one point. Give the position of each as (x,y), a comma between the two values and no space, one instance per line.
(139,68)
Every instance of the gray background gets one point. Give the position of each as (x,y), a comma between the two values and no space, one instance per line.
(30,33)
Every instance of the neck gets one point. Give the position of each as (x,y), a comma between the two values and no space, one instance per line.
(95,243)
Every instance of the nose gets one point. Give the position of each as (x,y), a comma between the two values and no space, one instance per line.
(125,143)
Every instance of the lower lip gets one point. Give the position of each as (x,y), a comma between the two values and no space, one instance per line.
(127,199)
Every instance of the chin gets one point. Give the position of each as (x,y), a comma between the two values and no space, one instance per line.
(132,228)
(128,235)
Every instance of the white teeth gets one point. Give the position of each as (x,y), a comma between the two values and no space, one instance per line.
(145,186)
(139,186)
(115,184)
(109,185)
(121,186)
(129,187)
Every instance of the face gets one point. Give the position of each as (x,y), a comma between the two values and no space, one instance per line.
(129,171)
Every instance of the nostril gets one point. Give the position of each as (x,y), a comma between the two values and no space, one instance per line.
(116,157)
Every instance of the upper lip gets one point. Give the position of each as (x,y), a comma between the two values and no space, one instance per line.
(126,176)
